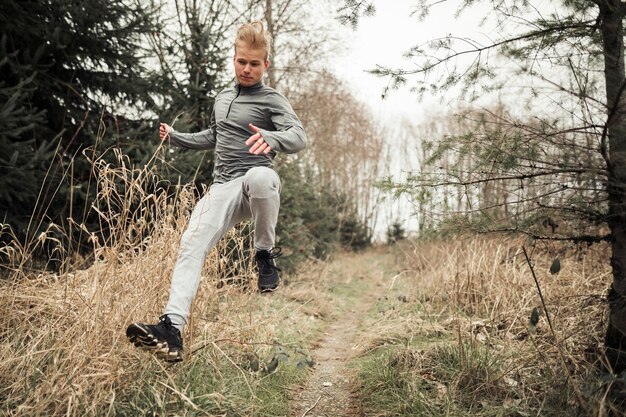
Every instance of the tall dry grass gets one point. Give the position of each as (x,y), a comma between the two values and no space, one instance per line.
(482,290)
(452,334)
(62,344)
(490,279)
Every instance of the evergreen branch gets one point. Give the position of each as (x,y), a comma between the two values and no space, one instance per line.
(536,199)
(354,10)
(506,177)
(534,236)
(477,49)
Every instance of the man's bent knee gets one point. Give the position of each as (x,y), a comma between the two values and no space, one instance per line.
(262,182)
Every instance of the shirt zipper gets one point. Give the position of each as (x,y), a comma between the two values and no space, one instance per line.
(233,100)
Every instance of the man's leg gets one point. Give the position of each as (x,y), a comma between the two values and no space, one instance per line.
(261,191)
(210,221)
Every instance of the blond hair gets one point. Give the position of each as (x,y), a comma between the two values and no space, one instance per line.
(255,36)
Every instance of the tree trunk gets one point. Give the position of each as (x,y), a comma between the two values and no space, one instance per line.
(611,14)
(269,19)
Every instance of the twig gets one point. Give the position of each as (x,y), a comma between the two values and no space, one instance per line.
(181,395)
(237,367)
(393,280)
(543,302)
(204,346)
(556,341)
(312,407)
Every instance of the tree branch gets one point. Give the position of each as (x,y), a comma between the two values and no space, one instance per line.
(578,238)
(509,177)
(479,49)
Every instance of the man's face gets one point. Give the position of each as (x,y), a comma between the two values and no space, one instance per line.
(250,65)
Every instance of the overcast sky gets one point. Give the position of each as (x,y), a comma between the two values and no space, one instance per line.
(384,38)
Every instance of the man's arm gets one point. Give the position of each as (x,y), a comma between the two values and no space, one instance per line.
(205,139)
(289,136)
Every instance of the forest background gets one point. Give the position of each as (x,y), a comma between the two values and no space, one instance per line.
(85,84)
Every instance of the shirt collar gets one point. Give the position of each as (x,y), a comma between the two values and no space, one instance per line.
(252,88)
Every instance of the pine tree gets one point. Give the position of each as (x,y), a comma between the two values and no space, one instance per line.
(73,77)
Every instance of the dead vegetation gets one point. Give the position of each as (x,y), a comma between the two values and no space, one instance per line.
(464,343)
(62,344)
(449,332)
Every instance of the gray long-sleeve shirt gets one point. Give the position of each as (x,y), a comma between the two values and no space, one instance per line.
(233,110)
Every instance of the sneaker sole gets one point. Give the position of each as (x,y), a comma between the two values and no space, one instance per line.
(268,289)
(140,336)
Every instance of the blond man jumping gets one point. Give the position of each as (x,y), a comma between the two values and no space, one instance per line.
(250,123)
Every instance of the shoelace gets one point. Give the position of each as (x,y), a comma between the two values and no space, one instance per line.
(166,321)
(169,326)
(277,252)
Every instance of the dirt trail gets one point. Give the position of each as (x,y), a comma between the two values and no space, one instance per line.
(328,391)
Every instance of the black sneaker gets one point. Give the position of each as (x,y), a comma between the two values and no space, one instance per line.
(162,339)
(268,271)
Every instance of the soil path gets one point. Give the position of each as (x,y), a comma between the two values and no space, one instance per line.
(328,392)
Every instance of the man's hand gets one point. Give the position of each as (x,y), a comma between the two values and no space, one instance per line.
(164,131)
(258,143)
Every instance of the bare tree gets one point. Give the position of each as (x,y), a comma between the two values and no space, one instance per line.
(302,43)
(339,125)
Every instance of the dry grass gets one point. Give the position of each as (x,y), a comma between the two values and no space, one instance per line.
(488,286)
(451,323)
(62,344)
(462,344)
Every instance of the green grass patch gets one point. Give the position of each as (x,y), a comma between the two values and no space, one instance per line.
(210,385)
(349,292)
(458,380)
(385,391)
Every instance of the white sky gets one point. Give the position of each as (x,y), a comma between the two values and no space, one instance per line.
(384,38)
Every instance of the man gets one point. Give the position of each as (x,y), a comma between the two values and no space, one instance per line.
(249,124)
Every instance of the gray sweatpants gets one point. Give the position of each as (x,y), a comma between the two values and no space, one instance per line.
(255,195)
